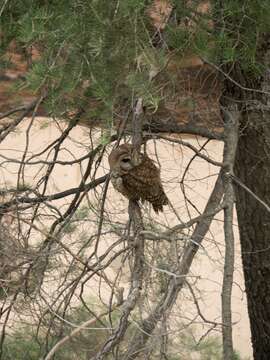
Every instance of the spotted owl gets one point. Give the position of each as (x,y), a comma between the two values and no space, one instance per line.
(136,177)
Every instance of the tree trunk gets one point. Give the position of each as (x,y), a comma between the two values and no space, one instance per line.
(252,167)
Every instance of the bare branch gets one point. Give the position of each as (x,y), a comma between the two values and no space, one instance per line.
(170,235)
(75,332)
(39,199)
(146,328)
(227,76)
(138,261)
(190,146)
(32,106)
(260,201)
(13,111)
(231,117)
(174,126)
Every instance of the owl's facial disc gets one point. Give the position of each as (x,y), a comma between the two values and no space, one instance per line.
(126,163)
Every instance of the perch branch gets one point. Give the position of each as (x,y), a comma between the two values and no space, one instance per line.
(146,328)
(230,145)
(138,258)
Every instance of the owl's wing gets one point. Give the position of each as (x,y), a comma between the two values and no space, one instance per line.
(146,173)
(143,182)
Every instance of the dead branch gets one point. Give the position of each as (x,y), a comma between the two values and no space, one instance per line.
(76,331)
(138,259)
(146,328)
(32,106)
(230,144)
(5,207)
(170,125)
(260,201)
(190,146)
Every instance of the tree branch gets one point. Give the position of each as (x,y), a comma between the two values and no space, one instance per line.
(175,126)
(137,271)
(39,199)
(75,332)
(27,109)
(190,146)
(231,117)
(146,328)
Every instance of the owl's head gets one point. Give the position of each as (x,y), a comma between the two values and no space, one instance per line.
(121,159)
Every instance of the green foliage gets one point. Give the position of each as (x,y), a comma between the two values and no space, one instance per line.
(105,138)
(144,88)
(21,346)
(201,44)
(162,277)
(97,41)
(177,38)
(82,213)
(223,35)
(32,25)
(210,348)
(102,50)
(237,38)
(184,9)
(26,344)
(69,228)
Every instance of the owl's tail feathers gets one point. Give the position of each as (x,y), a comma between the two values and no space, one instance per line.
(160,201)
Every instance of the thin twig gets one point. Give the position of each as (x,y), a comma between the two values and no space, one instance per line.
(39,199)
(148,325)
(3,7)
(75,332)
(17,121)
(227,76)
(193,148)
(239,182)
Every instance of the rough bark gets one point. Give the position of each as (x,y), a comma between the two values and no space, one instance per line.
(253,168)
(250,91)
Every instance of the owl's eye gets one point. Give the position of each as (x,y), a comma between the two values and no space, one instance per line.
(125,160)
